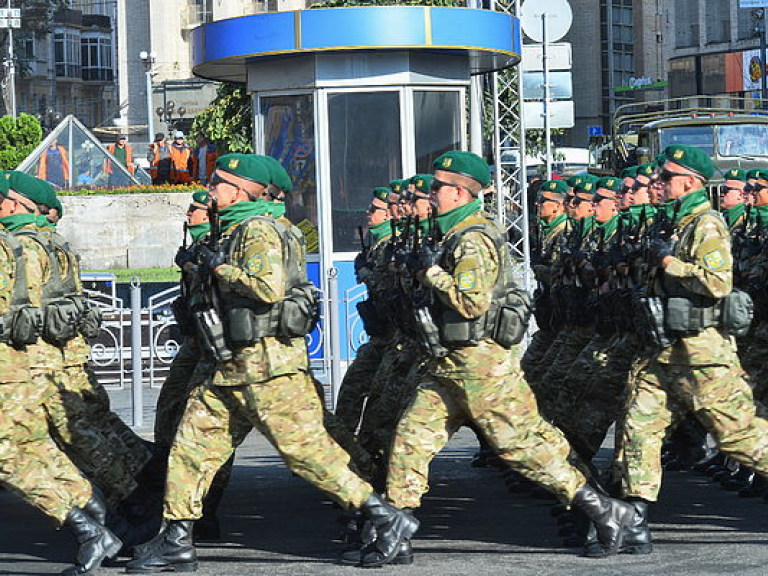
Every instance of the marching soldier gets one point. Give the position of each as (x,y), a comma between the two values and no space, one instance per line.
(472,374)
(261,383)
(731,193)
(698,369)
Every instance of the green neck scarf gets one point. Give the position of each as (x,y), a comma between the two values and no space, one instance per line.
(276,209)
(43,222)
(687,204)
(449,219)
(241,211)
(199,231)
(380,231)
(17,221)
(732,215)
(586,225)
(547,227)
(609,227)
(759,214)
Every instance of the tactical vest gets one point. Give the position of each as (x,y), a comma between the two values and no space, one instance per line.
(247,320)
(686,313)
(506,320)
(20,322)
(66,311)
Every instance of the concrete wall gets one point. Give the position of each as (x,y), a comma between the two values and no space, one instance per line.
(127,231)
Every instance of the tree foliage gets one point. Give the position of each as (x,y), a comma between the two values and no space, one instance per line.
(17,139)
(228,121)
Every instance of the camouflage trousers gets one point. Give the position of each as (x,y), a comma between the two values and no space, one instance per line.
(495,396)
(569,344)
(85,429)
(532,361)
(357,382)
(286,410)
(30,462)
(717,395)
(753,353)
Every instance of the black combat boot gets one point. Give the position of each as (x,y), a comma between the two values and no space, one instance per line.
(740,480)
(170,551)
(637,536)
(404,555)
(97,507)
(757,487)
(96,543)
(391,527)
(610,516)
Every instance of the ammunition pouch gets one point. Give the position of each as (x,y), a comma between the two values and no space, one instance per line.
(512,318)
(62,321)
(210,333)
(299,312)
(738,313)
(245,326)
(22,327)
(90,317)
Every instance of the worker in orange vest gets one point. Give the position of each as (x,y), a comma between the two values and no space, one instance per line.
(54,165)
(181,158)
(123,151)
(159,157)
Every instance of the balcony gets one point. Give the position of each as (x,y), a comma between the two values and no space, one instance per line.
(68,17)
(97,21)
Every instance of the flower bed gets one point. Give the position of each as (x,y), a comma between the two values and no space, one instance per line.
(165,189)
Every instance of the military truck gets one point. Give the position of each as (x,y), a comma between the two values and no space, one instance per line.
(733,137)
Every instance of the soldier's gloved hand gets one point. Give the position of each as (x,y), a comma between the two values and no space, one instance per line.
(360,262)
(428,256)
(212,259)
(185,256)
(660,248)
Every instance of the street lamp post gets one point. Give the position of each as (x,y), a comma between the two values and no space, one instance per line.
(166,114)
(10,18)
(149,59)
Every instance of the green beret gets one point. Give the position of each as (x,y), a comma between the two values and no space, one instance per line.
(629,172)
(39,191)
(577,179)
(398,186)
(422,183)
(4,186)
(660,159)
(248,166)
(556,186)
(201,197)
(381,193)
(757,174)
(736,174)
(280,177)
(466,164)
(586,186)
(611,183)
(692,158)
(646,169)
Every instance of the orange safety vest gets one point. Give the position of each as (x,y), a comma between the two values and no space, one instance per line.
(128,158)
(42,169)
(180,159)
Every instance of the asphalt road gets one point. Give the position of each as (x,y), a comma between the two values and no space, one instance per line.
(276,523)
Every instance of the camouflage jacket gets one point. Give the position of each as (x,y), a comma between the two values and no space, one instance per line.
(256,269)
(13,363)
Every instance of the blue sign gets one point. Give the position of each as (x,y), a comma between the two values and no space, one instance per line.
(595,130)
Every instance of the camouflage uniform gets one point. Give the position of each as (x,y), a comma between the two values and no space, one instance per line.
(264,386)
(99,456)
(30,462)
(482,383)
(699,373)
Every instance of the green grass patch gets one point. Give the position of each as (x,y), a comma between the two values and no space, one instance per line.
(124,276)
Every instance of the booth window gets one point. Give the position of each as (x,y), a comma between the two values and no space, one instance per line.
(289,136)
(365,152)
(437,117)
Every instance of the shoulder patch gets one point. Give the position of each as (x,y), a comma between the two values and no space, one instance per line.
(467,281)
(714,260)
(255,265)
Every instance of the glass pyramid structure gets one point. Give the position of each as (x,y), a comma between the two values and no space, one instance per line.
(72,158)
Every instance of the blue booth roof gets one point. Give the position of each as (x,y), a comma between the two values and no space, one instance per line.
(221,50)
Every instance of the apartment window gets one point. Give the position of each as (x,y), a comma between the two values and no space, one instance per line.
(96,52)
(66,47)
(686,23)
(202,10)
(718,21)
(746,24)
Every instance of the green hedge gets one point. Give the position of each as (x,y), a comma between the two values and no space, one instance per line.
(124,276)
(175,189)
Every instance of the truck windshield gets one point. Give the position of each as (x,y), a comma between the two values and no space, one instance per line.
(742,140)
(700,136)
